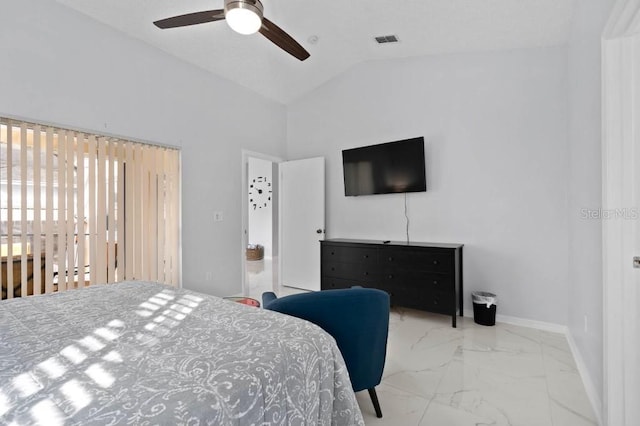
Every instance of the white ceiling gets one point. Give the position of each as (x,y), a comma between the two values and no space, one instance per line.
(345,30)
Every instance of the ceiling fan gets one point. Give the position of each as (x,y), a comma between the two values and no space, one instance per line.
(244,17)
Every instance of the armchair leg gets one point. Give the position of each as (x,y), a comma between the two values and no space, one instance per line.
(376,404)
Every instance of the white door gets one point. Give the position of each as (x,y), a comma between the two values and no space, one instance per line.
(301,222)
(621,198)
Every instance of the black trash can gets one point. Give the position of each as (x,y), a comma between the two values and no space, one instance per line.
(484,307)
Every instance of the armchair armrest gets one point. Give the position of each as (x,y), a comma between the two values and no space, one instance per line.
(267,298)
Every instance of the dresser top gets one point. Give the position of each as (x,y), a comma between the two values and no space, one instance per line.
(395,243)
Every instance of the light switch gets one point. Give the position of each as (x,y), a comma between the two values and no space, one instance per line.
(217,216)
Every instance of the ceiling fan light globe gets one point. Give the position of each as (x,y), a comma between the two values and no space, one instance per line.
(243,21)
(243,16)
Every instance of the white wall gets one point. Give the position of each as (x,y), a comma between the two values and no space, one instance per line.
(260,218)
(585,236)
(495,128)
(61,67)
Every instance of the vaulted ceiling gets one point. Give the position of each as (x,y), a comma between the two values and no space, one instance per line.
(338,34)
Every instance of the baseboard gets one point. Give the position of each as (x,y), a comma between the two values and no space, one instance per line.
(539,325)
(587,381)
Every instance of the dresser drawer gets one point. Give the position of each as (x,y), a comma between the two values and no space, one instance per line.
(390,289)
(443,303)
(357,271)
(427,261)
(428,281)
(424,260)
(432,301)
(391,279)
(332,283)
(391,258)
(349,254)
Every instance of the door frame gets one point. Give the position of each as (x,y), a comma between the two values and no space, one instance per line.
(246,154)
(620,141)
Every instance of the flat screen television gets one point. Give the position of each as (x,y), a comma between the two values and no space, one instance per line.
(385,168)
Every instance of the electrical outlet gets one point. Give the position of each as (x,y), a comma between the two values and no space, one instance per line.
(217,216)
(586,324)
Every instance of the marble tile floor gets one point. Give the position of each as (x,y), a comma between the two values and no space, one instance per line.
(471,375)
(261,277)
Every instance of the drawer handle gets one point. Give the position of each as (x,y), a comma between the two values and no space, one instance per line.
(390,259)
(435,301)
(366,256)
(435,282)
(333,269)
(390,276)
(332,253)
(366,273)
(435,262)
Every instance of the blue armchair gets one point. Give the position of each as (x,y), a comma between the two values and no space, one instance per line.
(357,318)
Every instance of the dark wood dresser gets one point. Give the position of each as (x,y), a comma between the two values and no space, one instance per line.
(417,275)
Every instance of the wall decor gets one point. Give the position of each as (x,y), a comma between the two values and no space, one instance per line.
(260,191)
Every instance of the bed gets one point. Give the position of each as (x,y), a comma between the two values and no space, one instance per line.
(145,353)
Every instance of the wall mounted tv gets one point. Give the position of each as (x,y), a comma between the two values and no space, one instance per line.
(385,168)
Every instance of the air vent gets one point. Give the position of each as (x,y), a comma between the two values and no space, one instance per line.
(387,39)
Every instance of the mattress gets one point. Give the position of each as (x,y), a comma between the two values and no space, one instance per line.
(145,353)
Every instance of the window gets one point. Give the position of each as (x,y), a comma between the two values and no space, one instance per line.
(78,208)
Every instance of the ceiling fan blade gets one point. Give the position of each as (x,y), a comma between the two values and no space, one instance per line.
(282,39)
(191,19)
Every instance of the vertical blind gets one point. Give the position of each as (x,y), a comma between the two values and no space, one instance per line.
(79,208)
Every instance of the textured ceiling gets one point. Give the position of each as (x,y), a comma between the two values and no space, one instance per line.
(345,33)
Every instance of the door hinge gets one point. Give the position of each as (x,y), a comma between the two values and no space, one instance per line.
(636,261)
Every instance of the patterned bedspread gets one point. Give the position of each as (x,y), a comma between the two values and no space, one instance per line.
(143,353)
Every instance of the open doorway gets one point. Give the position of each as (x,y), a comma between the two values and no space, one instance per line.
(260,223)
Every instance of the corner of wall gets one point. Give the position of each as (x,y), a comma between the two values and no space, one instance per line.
(587,380)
